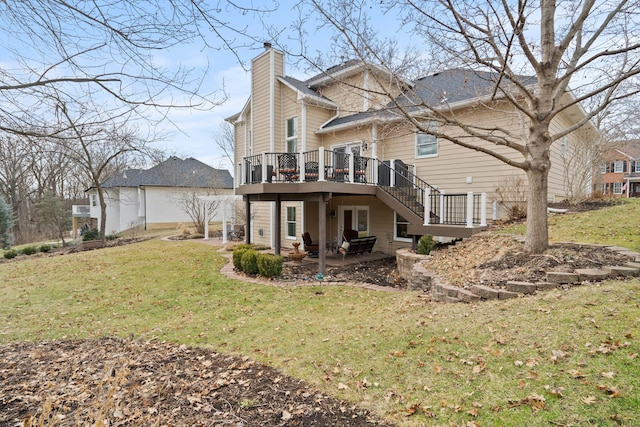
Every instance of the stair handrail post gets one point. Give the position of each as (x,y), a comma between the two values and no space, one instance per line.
(352,163)
(470,209)
(483,209)
(427,206)
(301,167)
(442,207)
(374,170)
(392,173)
(321,168)
(264,167)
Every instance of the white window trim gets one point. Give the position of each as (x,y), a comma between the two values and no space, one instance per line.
(603,168)
(395,230)
(293,137)
(636,166)
(294,222)
(616,164)
(617,186)
(429,124)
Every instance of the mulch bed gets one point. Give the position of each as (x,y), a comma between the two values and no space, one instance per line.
(115,382)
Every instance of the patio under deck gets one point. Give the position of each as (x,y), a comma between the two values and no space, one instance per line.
(322,174)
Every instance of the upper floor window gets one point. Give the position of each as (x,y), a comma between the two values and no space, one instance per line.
(635,166)
(94,200)
(427,144)
(292,135)
(618,166)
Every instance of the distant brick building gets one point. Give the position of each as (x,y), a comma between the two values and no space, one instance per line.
(621,171)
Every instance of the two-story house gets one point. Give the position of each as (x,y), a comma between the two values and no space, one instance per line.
(328,155)
(620,171)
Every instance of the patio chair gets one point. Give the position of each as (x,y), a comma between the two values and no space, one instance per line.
(309,246)
(311,171)
(360,166)
(288,166)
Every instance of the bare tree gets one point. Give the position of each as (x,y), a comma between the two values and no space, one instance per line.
(100,144)
(532,52)
(114,49)
(200,211)
(224,139)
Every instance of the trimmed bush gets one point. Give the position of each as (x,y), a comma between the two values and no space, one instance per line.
(112,236)
(11,253)
(426,245)
(250,262)
(29,250)
(237,257)
(270,265)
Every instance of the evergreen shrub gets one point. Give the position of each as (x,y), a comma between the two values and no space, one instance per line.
(250,262)
(426,245)
(270,265)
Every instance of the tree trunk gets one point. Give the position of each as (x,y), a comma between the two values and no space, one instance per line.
(537,236)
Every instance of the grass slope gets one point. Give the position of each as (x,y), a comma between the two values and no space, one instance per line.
(560,358)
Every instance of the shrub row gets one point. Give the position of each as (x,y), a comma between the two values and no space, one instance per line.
(246,258)
(28,250)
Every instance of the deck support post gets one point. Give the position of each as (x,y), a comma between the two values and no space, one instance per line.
(278,226)
(322,233)
(247,228)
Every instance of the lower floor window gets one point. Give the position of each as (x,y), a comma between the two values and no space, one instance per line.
(291,222)
(401,226)
(617,188)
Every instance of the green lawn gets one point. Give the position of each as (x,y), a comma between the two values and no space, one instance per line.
(560,358)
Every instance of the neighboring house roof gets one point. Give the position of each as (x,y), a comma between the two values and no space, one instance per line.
(173,172)
(449,87)
(631,149)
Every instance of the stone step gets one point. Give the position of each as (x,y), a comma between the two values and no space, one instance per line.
(521,287)
(543,286)
(633,264)
(617,271)
(485,292)
(591,274)
(562,278)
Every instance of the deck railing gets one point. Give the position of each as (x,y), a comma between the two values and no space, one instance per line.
(395,177)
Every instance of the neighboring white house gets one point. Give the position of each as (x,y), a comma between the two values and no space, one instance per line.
(155,197)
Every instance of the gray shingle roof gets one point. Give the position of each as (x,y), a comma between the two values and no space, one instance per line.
(173,172)
(450,87)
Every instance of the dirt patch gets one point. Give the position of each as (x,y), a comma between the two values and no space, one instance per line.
(493,259)
(114,382)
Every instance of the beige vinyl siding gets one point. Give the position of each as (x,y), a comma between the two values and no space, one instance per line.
(261,80)
(316,117)
(347,94)
(290,108)
(261,220)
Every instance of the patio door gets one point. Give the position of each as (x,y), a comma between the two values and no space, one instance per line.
(353,218)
